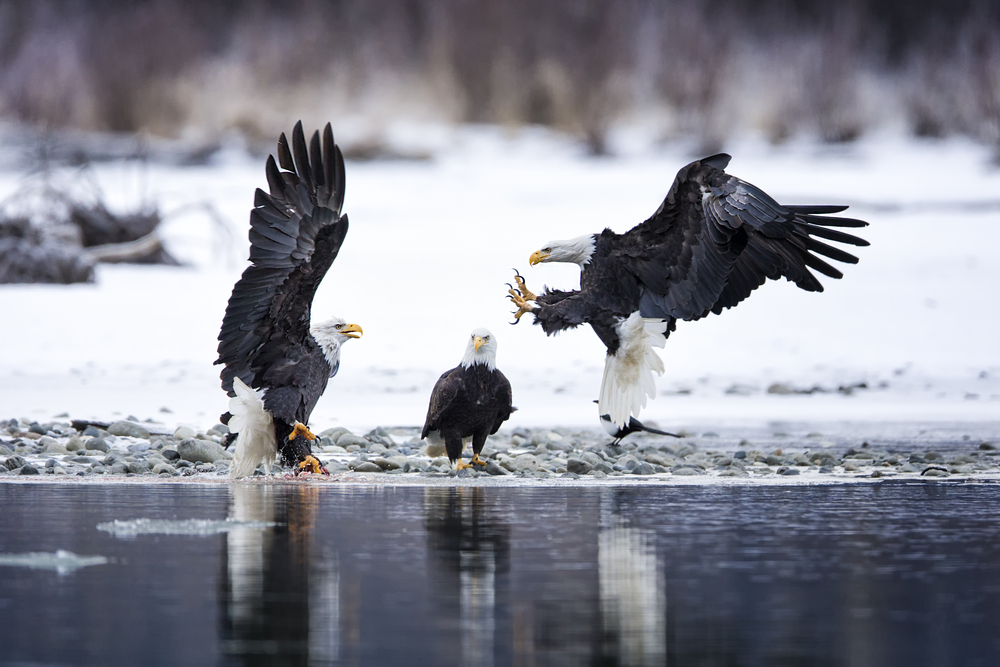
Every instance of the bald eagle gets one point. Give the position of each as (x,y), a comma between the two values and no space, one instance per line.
(470,401)
(276,367)
(713,240)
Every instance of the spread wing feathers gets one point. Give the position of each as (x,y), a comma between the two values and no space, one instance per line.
(295,234)
(254,428)
(716,238)
(444,392)
(628,373)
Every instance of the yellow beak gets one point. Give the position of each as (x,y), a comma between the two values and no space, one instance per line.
(477,343)
(538,257)
(352,331)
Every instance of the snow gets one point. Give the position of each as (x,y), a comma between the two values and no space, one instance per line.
(432,243)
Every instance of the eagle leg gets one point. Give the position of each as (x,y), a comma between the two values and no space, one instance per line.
(478,461)
(312,464)
(301,429)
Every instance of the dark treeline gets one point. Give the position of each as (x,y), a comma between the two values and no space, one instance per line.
(701,68)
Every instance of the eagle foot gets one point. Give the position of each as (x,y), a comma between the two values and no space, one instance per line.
(523,305)
(462,465)
(526,294)
(312,464)
(301,429)
(476,461)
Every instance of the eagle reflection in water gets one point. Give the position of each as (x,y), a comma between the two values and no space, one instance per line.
(467,576)
(280,604)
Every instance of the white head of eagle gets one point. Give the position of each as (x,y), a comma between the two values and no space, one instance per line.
(330,335)
(573,251)
(481,349)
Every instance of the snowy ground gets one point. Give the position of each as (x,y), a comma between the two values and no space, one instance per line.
(433,242)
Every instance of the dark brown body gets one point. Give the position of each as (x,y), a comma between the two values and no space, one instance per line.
(468,403)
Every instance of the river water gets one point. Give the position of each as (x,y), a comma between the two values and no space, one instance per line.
(293,574)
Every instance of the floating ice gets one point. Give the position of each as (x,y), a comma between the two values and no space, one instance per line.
(63,562)
(198,527)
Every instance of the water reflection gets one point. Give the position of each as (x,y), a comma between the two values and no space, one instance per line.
(633,600)
(468,543)
(281,605)
(487,577)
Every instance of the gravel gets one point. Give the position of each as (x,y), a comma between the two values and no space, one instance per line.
(128,448)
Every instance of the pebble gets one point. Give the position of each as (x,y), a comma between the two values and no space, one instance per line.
(55,448)
(201,451)
(128,429)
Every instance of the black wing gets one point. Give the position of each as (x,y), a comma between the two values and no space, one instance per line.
(445,390)
(716,238)
(295,234)
(505,401)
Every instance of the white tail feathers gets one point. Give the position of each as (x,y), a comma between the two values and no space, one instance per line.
(628,373)
(254,426)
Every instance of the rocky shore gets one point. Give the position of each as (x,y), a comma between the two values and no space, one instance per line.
(133,449)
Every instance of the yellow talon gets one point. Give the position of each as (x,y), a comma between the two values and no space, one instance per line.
(526,294)
(462,465)
(311,464)
(478,461)
(522,305)
(301,429)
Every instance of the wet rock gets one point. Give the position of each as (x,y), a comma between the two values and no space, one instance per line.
(789,471)
(366,467)
(986,447)
(221,466)
(219,430)
(170,454)
(935,472)
(5,450)
(51,463)
(386,464)
(137,467)
(524,463)
(202,451)
(851,466)
(52,446)
(578,466)
(37,428)
(128,429)
(733,471)
(86,460)
(74,443)
(28,470)
(349,439)
(377,448)
(740,454)
(184,433)
(14,462)
(686,471)
(98,444)
(164,468)
(119,468)
(493,469)
(643,469)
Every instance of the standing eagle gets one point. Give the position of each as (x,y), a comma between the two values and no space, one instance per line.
(276,368)
(470,401)
(713,240)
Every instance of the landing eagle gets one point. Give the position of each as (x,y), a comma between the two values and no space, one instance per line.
(276,365)
(713,241)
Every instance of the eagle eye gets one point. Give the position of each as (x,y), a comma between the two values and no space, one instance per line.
(338,327)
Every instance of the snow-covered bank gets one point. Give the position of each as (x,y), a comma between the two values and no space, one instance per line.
(432,244)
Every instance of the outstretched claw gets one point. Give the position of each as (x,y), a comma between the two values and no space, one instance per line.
(523,305)
(301,429)
(311,464)
(527,294)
